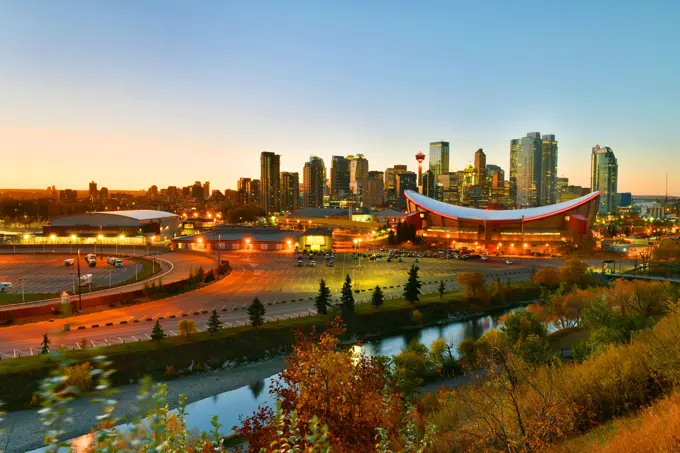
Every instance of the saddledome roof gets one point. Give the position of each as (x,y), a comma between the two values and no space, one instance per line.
(461,212)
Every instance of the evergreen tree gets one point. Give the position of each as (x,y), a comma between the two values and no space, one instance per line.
(256,313)
(441,289)
(45,345)
(214,323)
(412,287)
(347,296)
(322,301)
(200,275)
(157,333)
(378,298)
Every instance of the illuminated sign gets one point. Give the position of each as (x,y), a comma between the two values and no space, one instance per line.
(315,240)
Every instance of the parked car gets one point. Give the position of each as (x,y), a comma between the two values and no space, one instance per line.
(485,258)
(118,263)
(5,286)
(69,262)
(312,263)
(508,262)
(111,260)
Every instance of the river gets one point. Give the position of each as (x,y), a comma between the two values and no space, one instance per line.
(231,405)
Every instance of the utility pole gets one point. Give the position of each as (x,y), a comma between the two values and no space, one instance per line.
(80,291)
(219,262)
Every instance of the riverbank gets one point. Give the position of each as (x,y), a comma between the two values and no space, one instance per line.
(21,427)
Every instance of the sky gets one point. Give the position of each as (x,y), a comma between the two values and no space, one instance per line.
(133,93)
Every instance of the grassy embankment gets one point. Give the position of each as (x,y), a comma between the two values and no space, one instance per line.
(19,378)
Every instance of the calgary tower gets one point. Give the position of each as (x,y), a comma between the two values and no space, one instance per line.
(420,157)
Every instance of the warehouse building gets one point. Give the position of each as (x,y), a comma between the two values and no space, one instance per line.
(141,225)
(239,238)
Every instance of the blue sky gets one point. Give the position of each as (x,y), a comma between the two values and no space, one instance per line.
(131,93)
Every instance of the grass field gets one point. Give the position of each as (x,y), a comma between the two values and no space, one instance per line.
(13,298)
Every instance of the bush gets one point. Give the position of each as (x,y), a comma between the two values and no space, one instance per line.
(187,327)
(417,317)
(79,376)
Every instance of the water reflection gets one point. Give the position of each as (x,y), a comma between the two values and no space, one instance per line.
(232,405)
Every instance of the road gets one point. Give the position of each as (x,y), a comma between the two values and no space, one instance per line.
(286,290)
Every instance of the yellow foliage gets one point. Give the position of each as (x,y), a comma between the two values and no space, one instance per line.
(187,327)
(417,316)
(79,375)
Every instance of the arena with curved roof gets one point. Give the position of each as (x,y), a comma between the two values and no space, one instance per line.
(159,225)
(540,227)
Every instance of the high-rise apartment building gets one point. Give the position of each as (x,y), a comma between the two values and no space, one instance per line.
(358,171)
(429,186)
(197,191)
(206,190)
(339,176)
(242,187)
(548,174)
(407,180)
(373,195)
(93,191)
(313,176)
(439,158)
(270,185)
(290,191)
(480,166)
(533,170)
(604,176)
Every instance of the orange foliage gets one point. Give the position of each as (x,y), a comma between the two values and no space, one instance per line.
(473,282)
(566,310)
(574,272)
(346,393)
(548,277)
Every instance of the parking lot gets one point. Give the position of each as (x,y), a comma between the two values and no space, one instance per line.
(48,274)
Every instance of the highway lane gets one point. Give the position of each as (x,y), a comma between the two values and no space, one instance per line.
(273,277)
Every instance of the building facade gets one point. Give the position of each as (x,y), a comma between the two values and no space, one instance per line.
(548,171)
(339,176)
(533,170)
(290,191)
(439,158)
(358,171)
(314,175)
(270,184)
(604,175)
(374,190)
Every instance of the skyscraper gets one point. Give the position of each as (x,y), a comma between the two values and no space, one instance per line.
(358,171)
(480,169)
(429,185)
(313,175)
(407,180)
(254,192)
(93,191)
(533,170)
(604,176)
(374,190)
(548,174)
(439,158)
(206,190)
(340,174)
(243,191)
(290,191)
(270,167)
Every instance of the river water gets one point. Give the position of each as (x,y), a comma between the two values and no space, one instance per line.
(231,405)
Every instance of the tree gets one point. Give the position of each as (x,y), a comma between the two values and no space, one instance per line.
(575,272)
(45,344)
(378,298)
(466,351)
(323,299)
(347,297)
(518,325)
(413,285)
(200,275)
(345,391)
(473,282)
(441,289)
(549,278)
(186,327)
(214,323)
(157,333)
(256,313)
(566,310)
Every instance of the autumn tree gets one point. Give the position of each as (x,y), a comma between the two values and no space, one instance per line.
(473,282)
(323,299)
(566,310)
(518,325)
(377,298)
(186,327)
(256,312)
(575,273)
(347,296)
(549,278)
(413,285)
(650,298)
(344,391)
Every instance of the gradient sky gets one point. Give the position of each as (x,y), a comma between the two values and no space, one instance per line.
(138,92)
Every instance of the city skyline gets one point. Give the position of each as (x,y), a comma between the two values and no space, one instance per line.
(160,99)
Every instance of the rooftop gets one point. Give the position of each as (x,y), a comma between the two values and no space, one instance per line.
(139,214)
(528,214)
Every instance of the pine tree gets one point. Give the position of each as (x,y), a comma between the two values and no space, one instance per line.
(322,301)
(442,289)
(45,345)
(214,323)
(200,276)
(347,297)
(157,333)
(412,287)
(378,298)
(256,313)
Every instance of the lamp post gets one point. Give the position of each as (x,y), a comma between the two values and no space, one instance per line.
(219,247)
(447,246)
(22,289)
(80,291)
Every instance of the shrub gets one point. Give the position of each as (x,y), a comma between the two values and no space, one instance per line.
(79,375)
(417,317)
(170,371)
(187,327)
